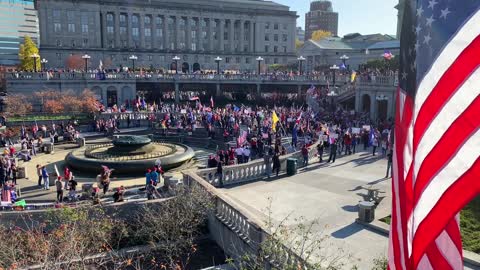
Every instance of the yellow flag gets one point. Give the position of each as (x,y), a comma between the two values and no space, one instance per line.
(354,75)
(274,121)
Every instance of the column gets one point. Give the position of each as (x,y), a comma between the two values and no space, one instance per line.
(177,93)
(231,35)
(218,91)
(177,32)
(199,34)
(358,106)
(241,37)
(299,91)
(166,38)
(252,37)
(154,37)
(142,30)
(104,30)
(373,107)
(211,21)
(259,89)
(221,35)
(117,30)
(129,30)
(188,34)
(258,40)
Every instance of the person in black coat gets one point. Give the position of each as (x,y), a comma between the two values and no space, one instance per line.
(333,151)
(276,163)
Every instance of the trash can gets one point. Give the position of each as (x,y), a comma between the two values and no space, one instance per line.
(87,190)
(48,147)
(291,166)
(366,211)
(21,172)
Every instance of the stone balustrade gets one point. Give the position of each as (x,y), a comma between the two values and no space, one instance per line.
(250,171)
(155,77)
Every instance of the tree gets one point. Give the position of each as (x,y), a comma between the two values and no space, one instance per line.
(298,43)
(75,62)
(25,52)
(89,101)
(17,105)
(320,34)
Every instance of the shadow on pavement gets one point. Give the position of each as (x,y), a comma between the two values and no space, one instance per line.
(350,208)
(347,231)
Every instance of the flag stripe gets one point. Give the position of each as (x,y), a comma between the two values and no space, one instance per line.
(455,135)
(450,81)
(460,163)
(448,248)
(468,186)
(444,60)
(425,264)
(439,262)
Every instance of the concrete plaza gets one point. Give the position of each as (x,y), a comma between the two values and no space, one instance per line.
(329,194)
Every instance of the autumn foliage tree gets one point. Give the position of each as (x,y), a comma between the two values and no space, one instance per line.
(55,102)
(74,62)
(320,34)
(25,52)
(17,105)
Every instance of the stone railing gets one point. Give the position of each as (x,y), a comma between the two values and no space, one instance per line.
(250,171)
(378,81)
(245,233)
(139,77)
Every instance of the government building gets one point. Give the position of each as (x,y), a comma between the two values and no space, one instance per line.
(321,17)
(156,31)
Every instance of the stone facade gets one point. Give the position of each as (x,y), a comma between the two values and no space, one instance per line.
(155,31)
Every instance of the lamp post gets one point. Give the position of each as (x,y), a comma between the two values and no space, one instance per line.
(44,62)
(344,59)
(176,59)
(334,68)
(133,58)
(34,57)
(332,94)
(259,60)
(300,60)
(218,60)
(86,57)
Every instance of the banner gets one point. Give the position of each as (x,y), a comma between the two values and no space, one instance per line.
(356,130)
(366,127)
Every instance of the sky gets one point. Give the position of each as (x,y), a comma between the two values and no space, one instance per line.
(362,16)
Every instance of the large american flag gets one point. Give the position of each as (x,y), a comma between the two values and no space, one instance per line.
(437,142)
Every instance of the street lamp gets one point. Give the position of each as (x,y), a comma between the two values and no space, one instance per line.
(34,57)
(44,62)
(176,59)
(133,58)
(332,94)
(334,68)
(218,60)
(86,57)
(259,60)
(301,59)
(344,59)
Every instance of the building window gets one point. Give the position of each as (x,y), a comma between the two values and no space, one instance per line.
(150,57)
(110,29)
(123,30)
(123,18)
(194,34)
(135,31)
(284,49)
(172,45)
(245,48)
(267,48)
(275,60)
(85,42)
(71,28)
(124,43)
(134,19)
(162,58)
(109,17)
(73,43)
(267,25)
(267,37)
(158,20)
(284,37)
(57,27)
(148,20)
(148,32)
(59,56)
(285,26)
(159,32)
(275,49)
(203,23)
(194,46)
(237,60)
(84,28)
(193,23)
(275,37)
(182,22)
(56,14)
(59,43)
(247,60)
(227,60)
